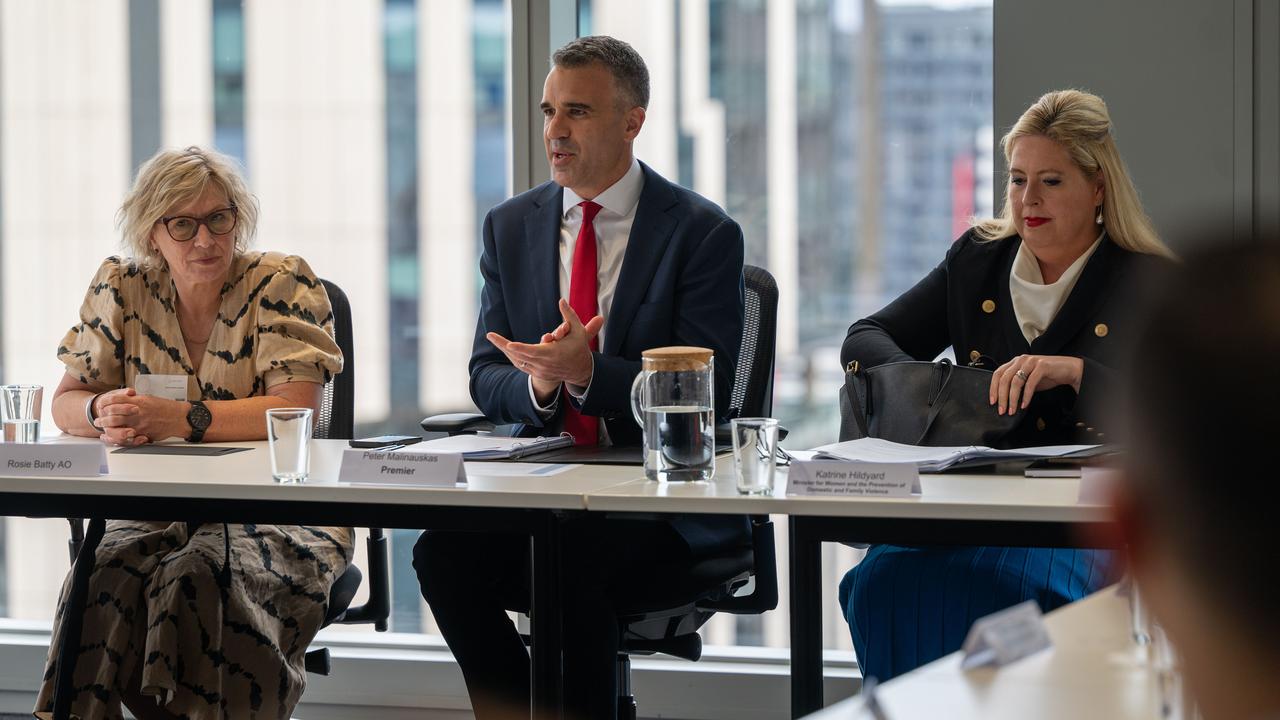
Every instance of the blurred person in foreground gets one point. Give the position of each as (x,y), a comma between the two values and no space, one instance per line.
(1046,295)
(187,620)
(1198,513)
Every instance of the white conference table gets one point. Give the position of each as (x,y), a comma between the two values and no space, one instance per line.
(1093,670)
(238,488)
(953,509)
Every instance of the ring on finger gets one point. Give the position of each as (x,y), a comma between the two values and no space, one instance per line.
(1022,375)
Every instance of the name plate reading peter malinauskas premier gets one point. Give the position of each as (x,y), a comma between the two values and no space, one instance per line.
(384,467)
(53,459)
(838,478)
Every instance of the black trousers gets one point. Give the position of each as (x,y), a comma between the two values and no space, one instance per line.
(471,579)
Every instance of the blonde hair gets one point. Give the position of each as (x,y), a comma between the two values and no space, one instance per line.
(173,178)
(1079,122)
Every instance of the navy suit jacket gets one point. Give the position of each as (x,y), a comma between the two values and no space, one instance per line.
(680,284)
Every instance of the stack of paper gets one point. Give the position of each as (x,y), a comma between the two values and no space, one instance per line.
(491,447)
(937,459)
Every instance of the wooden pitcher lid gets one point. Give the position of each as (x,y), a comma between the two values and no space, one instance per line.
(677,358)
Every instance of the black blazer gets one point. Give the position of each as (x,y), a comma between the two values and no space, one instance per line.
(680,284)
(965,303)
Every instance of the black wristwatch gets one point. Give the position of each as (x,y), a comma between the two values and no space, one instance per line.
(198,417)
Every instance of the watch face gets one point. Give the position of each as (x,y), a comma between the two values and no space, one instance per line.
(199,416)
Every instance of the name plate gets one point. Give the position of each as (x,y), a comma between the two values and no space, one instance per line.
(834,477)
(1003,637)
(383,467)
(53,459)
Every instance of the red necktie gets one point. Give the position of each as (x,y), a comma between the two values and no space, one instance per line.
(584,299)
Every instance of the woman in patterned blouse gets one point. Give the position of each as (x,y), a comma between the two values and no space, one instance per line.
(169,630)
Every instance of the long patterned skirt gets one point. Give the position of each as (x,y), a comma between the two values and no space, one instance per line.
(907,606)
(163,617)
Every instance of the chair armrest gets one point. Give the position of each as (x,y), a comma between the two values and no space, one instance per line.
(765,595)
(457,423)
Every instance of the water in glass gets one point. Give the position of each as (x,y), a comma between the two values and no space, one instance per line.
(21,431)
(686,444)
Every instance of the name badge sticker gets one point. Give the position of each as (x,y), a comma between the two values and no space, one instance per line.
(382,467)
(53,459)
(835,478)
(169,387)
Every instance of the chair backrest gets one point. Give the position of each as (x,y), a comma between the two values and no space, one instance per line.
(337,408)
(752,394)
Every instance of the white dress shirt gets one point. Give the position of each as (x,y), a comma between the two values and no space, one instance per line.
(1036,303)
(612,224)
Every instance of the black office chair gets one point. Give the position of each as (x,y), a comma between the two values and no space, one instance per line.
(336,419)
(666,618)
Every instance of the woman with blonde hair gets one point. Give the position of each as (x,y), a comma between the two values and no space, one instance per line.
(1047,296)
(187,620)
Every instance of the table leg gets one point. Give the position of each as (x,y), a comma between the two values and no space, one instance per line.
(73,621)
(806,619)
(545,629)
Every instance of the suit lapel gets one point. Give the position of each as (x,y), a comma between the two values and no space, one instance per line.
(650,233)
(542,235)
(1089,294)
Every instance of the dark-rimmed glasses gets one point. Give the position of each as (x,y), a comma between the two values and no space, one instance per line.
(182,227)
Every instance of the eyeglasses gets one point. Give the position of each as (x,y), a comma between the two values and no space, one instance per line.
(182,228)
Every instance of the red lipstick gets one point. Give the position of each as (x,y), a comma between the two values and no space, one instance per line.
(1035,221)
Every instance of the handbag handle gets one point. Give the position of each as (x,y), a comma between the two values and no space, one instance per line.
(938,394)
(859,392)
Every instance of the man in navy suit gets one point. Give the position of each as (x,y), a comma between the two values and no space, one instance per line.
(581,274)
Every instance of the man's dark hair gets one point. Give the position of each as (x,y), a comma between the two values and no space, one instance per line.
(1205,396)
(622,61)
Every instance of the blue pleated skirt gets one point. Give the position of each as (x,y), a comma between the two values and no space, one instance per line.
(907,606)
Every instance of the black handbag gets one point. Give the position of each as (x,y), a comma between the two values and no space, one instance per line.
(922,403)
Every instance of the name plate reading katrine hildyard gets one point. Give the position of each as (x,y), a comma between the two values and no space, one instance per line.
(840,478)
(398,467)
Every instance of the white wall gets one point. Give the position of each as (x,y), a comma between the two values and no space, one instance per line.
(1191,87)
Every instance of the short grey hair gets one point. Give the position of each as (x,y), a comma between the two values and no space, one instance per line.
(622,61)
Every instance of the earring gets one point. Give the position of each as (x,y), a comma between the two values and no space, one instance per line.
(1098,219)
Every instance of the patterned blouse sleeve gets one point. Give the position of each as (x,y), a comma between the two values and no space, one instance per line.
(295,328)
(93,349)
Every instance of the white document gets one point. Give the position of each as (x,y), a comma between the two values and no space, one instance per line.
(402,468)
(53,459)
(1003,637)
(494,447)
(169,387)
(521,469)
(936,459)
(839,478)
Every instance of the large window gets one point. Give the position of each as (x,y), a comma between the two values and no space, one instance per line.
(849,138)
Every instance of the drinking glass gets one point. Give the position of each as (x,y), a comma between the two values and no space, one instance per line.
(289,436)
(755,452)
(1139,621)
(20,412)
